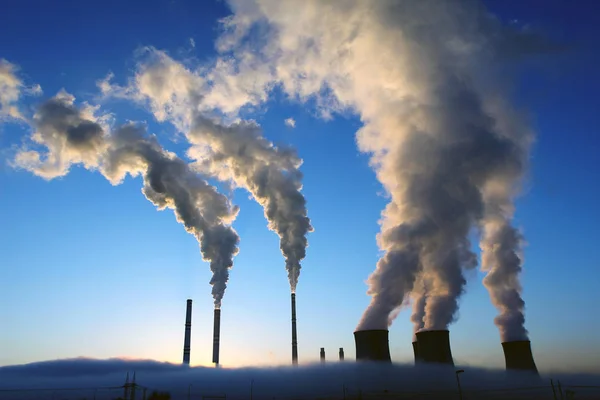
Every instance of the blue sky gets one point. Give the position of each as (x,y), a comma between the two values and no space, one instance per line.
(94,270)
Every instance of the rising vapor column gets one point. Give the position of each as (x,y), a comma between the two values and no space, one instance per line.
(216,336)
(294,335)
(188,333)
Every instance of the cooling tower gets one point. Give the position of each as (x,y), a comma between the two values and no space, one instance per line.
(416,351)
(188,333)
(518,356)
(294,336)
(434,347)
(341,354)
(322,355)
(216,336)
(372,345)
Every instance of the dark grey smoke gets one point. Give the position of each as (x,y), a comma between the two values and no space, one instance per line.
(168,181)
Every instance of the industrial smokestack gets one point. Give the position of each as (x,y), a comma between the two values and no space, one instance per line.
(294,335)
(188,333)
(322,354)
(415,345)
(216,336)
(341,354)
(434,347)
(518,356)
(372,345)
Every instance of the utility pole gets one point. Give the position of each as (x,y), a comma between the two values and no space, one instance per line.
(189,391)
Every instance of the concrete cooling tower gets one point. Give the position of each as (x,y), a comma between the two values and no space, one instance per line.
(372,345)
(518,356)
(415,346)
(434,347)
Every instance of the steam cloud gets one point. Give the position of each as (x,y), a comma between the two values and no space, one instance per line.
(235,152)
(76,136)
(445,144)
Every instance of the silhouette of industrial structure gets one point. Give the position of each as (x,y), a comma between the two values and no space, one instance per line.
(430,346)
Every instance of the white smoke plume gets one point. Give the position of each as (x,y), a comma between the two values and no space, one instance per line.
(423,77)
(235,152)
(271,174)
(75,136)
(419,303)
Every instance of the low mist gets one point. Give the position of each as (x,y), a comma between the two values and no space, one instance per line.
(104,379)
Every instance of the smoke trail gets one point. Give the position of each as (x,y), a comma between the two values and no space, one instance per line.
(422,77)
(236,152)
(73,136)
(239,152)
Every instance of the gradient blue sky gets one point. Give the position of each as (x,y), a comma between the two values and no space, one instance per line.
(93,270)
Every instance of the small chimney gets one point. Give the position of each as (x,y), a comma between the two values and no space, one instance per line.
(216,336)
(434,347)
(323,354)
(415,346)
(188,333)
(518,356)
(372,345)
(294,335)
(341,354)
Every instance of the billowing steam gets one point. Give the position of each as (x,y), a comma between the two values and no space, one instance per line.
(445,145)
(500,246)
(74,136)
(419,302)
(236,152)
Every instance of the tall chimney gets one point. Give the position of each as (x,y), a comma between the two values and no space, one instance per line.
(372,345)
(341,354)
(216,336)
(434,347)
(415,346)
(518,356)
(294,334)
(187,340)
(322,354)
